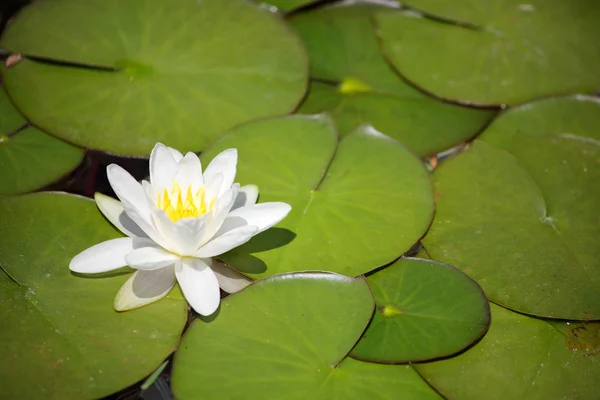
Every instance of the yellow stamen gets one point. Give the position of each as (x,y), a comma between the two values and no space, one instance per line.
(190,205)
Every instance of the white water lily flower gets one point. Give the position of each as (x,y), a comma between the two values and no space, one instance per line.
(175,224)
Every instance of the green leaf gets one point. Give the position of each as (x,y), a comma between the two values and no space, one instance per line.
(176,74)
(60,336)
(500,52)
(288,5)
(10,119)
(363,88)
(356,205)
(29,158)
(358,380)
(342,45)
(284,337)
(519,358)
(405,119)
(577,115)
(425,310)
(524,227)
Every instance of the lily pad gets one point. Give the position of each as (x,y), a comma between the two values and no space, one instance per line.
(288,5)
(425,310)
(519,358)
(60,336)
(30,158)
(576,115)
(495,52)
(10,119)
(291,347)
(178,74)
(524,226)
(357,86)
(356,205)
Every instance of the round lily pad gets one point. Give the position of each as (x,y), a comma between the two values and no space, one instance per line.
(30,158)
(425,310)
(522,358)
(356,205)
(286,337)
(524,226)
(129,74)
(60,336)
(500,52)
(357,86)
(576,115)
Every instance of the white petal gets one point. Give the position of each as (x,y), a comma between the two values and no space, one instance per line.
(150,258)
(145,287)
(163,166)
(184,236)
(105,256)
(152,193)
(189,173)
(224,163)
(247,196)
(147,226)
(198,284)
(220,212)
(129,191)
(211,190)
(113,211)
(227,241)
(176,154)
(263,216)
(229,279)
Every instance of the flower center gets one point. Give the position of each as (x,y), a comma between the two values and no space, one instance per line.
(178,204)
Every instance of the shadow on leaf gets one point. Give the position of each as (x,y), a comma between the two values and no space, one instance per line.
(242,258)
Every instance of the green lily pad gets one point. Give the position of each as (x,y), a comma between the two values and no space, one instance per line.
(10,119)
(288,5)
(525,227)
(29,158)
(425,310)
(576,115)
(519,358)
(284,337)
(407,120)
(363,88)
(60,336)
(175,74)
(500,52)
(356,205)
(584,337)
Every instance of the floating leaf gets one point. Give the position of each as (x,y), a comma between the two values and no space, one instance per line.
(532,248)
(284,337)
(583,337)
(29,158)
(519,358)
(576,115)
(495,52)
(10,119)
(356,205)
(60,336)
(287,5)
(363,88)
(179,74)
(425,310)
